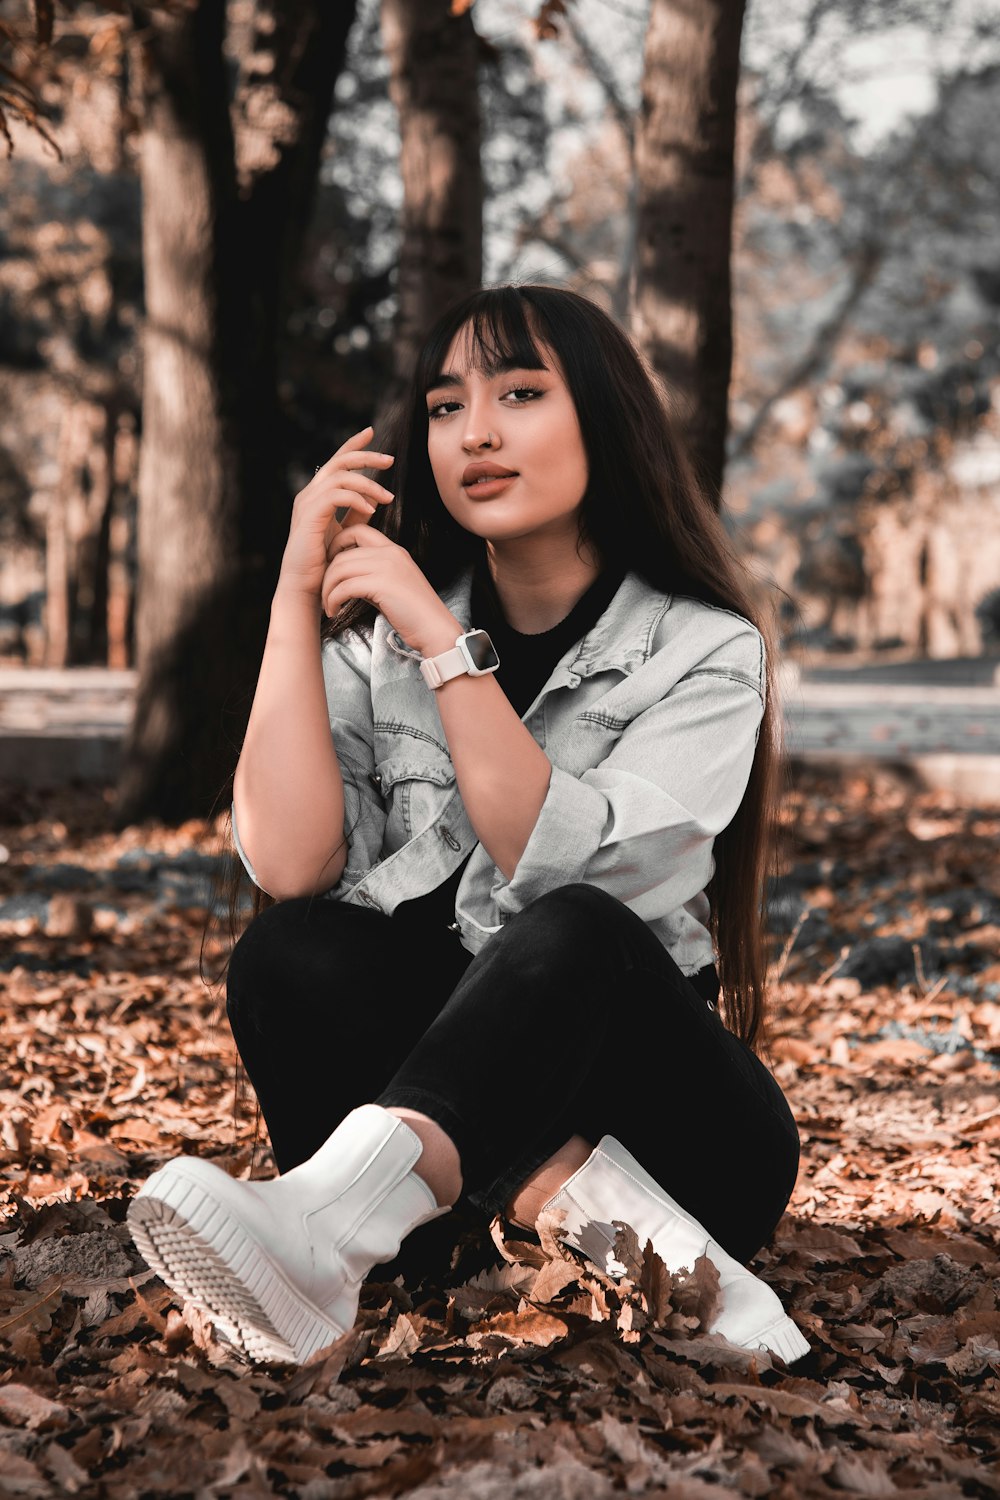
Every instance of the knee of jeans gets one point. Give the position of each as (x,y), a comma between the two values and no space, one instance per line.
(264,952)
(570,920)
(577,898)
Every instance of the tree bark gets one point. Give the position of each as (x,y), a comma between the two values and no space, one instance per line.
(91,594)
(120,587)
(681,314)
(432,58)
(224,215)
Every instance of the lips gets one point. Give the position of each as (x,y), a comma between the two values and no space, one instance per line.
(487,470)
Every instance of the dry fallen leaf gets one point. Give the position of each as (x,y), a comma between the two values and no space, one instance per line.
(510,1364)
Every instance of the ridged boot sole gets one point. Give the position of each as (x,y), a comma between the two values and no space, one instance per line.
(207,1256)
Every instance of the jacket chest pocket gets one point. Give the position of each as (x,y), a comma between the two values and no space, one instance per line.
(584,742)
(414,789)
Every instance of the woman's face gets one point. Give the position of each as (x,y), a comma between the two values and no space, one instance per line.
(535,433)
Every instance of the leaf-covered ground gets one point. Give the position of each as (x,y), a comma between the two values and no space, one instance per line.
(485,1367)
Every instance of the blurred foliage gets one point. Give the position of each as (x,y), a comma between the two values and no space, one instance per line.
(867,298)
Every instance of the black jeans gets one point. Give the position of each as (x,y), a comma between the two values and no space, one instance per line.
(572,1020)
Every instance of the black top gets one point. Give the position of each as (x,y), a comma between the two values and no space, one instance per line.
(526,663)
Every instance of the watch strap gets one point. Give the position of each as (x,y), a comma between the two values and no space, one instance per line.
(442,668)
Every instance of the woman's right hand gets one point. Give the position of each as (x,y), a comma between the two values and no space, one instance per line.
(334,486)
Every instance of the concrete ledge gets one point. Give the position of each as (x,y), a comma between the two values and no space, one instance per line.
(54,759)
(889,695)
(944,671)
(68,679)
(973,780)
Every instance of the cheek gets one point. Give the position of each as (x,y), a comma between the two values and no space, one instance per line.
(438,468)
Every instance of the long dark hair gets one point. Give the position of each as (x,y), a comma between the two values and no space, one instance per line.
(645,510)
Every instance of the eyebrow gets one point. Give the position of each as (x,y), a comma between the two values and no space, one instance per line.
(449,378)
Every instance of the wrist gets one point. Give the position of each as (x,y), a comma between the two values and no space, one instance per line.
(297,604)
(441,637)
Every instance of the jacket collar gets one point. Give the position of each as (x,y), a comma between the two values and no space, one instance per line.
(622,639)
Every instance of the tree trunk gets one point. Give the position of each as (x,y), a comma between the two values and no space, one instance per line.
(433,83)
(120,592)
(89,609)
(223,220)
(684,160)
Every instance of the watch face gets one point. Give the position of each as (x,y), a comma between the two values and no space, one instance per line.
(480,648)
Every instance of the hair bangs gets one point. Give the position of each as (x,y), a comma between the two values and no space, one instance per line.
(498,336)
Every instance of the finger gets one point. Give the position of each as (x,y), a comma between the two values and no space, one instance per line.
(346,565)
(358,571)
(367,458)
(357,440)
(339,509)
(348,479)
(351,480)
(346,463)
(335,575)
(347,485)
(338,597)
(358,536)
(347,520)
(352,525)
(356,584)
(355,453)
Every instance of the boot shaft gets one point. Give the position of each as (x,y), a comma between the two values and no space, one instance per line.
(358,1196)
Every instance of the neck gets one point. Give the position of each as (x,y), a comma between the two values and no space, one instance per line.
(536,588)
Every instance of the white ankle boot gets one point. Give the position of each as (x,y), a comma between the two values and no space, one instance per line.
(278,1265)
(611,1184)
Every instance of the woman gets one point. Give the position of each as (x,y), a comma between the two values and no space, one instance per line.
(536,717)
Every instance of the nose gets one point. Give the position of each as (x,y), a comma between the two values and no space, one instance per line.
(489,440)
(479,433)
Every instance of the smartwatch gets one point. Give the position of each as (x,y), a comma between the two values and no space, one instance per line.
(473,652)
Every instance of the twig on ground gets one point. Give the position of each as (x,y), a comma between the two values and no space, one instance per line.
(789,945)
(932,994)
(835,965)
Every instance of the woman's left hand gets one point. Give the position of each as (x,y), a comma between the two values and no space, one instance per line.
(364,564)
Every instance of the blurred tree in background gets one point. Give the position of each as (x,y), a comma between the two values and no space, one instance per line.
(866,410)
(342,175)
(233,104)
(684,167)
(233,110)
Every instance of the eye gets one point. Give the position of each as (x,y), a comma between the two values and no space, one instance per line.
(436,411)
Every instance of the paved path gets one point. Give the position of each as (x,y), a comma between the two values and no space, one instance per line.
(55,724)
(892,719)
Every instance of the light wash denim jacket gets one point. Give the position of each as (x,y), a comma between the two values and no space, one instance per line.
(650,722)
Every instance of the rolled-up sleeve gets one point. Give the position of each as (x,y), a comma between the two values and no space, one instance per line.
(641,824)
(346,663)
(242,852)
